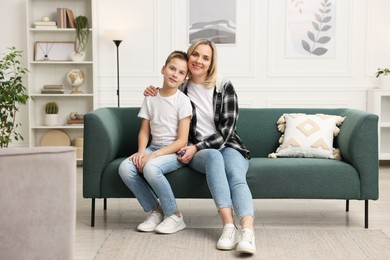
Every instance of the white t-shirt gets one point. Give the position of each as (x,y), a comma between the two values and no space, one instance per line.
(202,97)
(164,114)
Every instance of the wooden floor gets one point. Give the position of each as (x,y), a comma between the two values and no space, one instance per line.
(292,214)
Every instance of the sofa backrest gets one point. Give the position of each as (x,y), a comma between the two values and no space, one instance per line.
(130,125)
(256,127)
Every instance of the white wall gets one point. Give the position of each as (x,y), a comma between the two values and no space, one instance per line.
(13,33)
(257,65)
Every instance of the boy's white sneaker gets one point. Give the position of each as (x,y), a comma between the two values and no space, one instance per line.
(247,242)
(171,224)
(151,222)
(229,237)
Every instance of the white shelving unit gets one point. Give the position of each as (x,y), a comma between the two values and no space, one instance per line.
(378,102)
(54,72)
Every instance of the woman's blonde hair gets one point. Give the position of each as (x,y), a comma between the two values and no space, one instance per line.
(212,73)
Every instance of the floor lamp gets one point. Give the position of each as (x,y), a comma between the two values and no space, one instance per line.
(117,37)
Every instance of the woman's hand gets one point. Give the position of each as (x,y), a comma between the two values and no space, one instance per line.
(151,91)
(189,152)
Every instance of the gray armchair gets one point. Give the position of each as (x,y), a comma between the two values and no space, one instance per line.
(38,203)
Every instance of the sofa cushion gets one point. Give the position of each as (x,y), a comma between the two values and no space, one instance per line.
(267,178)
(308,135)
(303,178)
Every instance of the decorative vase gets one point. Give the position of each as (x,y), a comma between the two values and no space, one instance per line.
(78,56)
(51,119)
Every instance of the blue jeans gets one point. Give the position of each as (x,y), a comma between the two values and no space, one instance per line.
(225,171)
(153,181)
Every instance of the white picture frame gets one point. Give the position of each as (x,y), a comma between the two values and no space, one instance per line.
(310,28)
(53,50)
(204,22)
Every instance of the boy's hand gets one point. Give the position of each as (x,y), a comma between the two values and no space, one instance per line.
(138,160)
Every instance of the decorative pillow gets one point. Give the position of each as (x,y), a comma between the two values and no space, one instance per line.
(308,136)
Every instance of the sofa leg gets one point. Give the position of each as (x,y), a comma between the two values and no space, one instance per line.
(105,204)
(347,205)
(93,213)
(366,213)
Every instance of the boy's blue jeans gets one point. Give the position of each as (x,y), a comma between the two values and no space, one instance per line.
(153,181)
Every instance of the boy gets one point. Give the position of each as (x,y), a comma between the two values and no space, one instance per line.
(166,117)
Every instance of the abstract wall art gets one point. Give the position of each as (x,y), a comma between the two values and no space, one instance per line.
(213,20)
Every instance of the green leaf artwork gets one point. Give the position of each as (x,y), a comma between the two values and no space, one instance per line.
(319,26)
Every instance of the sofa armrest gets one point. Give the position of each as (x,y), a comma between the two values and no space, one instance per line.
(38,194)
(102,141)
(358,143)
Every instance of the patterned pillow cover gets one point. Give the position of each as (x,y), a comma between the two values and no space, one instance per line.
(305,135)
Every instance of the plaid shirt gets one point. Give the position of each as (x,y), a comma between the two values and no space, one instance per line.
(225,119)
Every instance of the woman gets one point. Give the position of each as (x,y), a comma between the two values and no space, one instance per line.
(216,148)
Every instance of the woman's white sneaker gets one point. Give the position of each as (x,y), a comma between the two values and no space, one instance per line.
(151,222)
(171,224)
(229,237)
(247,242)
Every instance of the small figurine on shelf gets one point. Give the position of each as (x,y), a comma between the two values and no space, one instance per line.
(75,118)
(75,78)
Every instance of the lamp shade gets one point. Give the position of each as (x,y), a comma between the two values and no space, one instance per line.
(117,35)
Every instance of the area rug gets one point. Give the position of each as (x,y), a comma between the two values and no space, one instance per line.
(271,244)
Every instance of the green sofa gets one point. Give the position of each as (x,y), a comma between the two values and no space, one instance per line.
(110,135)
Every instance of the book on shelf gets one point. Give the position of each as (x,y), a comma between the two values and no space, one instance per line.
(71,23)
(61,18)
(40,22)
(52,91)
(53,86)
(46,27)
(74,122)
(65,18)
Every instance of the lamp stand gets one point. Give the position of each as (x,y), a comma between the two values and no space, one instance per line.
(117,43)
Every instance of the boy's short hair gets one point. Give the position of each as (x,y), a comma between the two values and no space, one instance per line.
(176,54)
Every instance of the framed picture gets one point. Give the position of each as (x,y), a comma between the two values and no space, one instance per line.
(310,28)
(212,20)
(53,51)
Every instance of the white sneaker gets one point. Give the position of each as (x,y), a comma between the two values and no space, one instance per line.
(171,224)
(247,243)
(151,222)
(229,238)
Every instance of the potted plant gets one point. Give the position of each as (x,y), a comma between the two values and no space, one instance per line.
(383,75)
(51,118)
(13,94)
(82,34)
